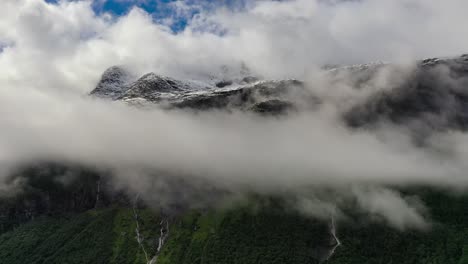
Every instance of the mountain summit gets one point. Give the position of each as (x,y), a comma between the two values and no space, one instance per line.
(430,96)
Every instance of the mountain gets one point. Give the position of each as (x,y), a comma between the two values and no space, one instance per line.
(424,100)
(247,93)
(112,82)
(86,219)
(433,100)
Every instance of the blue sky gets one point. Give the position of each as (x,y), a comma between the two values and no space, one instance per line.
(160,9)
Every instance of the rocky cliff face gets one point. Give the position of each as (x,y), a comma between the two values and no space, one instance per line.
(434,96)
(54,189)
(112,83)
(248,93)
(431,96)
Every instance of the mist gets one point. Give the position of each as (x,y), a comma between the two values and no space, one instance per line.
(52,56)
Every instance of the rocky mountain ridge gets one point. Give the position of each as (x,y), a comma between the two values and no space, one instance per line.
(432,95)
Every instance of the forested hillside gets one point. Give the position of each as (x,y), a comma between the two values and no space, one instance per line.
(244,234)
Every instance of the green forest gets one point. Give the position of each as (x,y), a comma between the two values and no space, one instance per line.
(237,235)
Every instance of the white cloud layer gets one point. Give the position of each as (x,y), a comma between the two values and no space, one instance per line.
(67,46)
(53,55)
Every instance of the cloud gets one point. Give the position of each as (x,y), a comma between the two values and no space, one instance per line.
(57,52)
(399,212)
(376,203)
(67,45)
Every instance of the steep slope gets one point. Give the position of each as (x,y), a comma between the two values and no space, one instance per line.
(434,96)
(248,93)
(83,220)
(239,235)
(97,236)
(114,82)
(430,96)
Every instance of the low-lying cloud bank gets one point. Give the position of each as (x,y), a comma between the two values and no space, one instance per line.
(234,151)
(53,55)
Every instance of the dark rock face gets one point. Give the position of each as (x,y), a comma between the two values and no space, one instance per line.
(54,189)
(268,96)
(155,88)
(114,82)
(273,106)
(222,84)
(434,97)
(272,97)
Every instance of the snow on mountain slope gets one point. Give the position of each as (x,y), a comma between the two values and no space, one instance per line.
(431,96)
(114,82)
(247,93)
